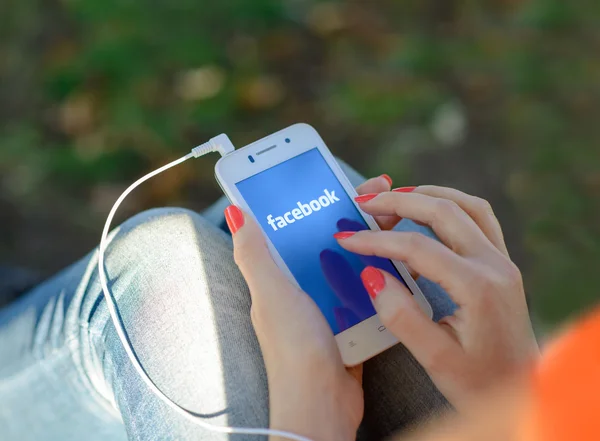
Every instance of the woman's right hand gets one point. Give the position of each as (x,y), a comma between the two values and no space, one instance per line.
(490,334)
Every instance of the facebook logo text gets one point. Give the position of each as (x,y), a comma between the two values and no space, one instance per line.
(328,198)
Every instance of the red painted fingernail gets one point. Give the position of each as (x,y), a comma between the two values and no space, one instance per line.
(404,189)
(344,234)
(365,197)
(234,218)
(373,280)
(387,178)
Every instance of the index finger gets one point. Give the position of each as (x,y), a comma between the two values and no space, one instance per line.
(427,256)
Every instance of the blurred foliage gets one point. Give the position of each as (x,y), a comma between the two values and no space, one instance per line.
(499,98)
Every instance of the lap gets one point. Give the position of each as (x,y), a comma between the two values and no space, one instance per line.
(186,310)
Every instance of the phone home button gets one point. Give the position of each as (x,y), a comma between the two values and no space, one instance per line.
(381,328)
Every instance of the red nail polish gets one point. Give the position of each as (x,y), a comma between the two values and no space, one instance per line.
(344,234)
(387,178)
(373,280)
(404,189)
(234,218)
(365,197)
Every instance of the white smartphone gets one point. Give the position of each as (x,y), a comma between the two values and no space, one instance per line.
(296,191)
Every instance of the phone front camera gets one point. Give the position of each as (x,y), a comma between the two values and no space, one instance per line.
(251,159)
(288,140)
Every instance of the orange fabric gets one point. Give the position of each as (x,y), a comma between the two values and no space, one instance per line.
(566,387)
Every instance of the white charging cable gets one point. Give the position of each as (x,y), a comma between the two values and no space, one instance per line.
(223,145)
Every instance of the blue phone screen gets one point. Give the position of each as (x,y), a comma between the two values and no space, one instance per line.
(300,204)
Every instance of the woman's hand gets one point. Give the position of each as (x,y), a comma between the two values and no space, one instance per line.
(310,391)
(490,334)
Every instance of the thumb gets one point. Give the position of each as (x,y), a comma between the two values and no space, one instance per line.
(252,255)
(402,316)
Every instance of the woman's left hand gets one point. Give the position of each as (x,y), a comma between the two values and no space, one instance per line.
(311,393)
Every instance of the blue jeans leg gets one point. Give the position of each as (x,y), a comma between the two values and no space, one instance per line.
(64,375)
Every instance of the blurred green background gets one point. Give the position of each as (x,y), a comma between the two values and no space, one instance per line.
(497,98)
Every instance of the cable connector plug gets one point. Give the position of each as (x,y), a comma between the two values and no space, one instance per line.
(221,144)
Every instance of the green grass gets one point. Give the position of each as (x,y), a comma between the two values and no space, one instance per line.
(94,93)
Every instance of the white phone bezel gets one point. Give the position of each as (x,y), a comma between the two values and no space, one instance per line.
(369,337)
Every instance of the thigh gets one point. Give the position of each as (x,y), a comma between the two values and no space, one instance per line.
(44,390)
(186,311)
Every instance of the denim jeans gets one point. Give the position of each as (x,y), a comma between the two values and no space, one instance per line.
(64,375)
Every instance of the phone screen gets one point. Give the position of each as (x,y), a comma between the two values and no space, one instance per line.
(300,204)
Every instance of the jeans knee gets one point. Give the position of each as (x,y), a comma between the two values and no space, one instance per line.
(162,249)
(170,231)
(158,224)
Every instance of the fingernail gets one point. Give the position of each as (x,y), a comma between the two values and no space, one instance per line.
(387,178)
(365,197)
(234,218)
(344,234)
(373,280)
(404,189)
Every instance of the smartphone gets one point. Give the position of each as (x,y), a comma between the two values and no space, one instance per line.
(294,188)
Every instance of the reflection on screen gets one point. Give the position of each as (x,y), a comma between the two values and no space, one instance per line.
(300,204)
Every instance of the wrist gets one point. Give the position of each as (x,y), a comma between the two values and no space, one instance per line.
(318,422)
(313,409)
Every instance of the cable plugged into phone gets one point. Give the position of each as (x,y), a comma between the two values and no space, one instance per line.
(224,146)
(221,144)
